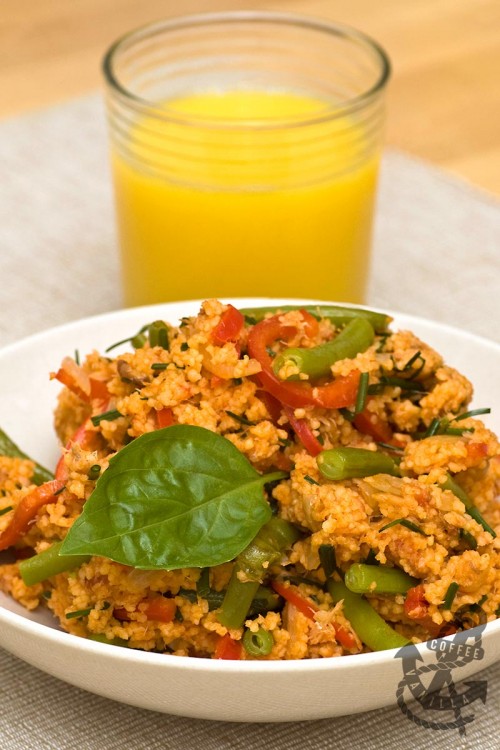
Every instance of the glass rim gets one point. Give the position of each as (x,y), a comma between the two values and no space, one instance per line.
(332,112)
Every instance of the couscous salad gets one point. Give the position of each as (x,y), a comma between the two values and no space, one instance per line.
(268,483)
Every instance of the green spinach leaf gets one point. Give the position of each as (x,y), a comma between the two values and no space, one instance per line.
(9,448)
(178,497)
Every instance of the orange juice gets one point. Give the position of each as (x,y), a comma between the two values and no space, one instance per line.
(209,207)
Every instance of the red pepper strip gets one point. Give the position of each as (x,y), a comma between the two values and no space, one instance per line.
(165,418)
(476,451)
(272,405)
(98,388)
(78,439)
(229,326)
(369,423)
(290,594)
(227,648)
(416,607)
(27,510)
(159,609)
(338,394)
(309,609)
(304,433)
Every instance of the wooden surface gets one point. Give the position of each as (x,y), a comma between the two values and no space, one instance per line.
(444,97)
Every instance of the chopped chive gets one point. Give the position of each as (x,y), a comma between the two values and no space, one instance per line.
(482,600)
(6,510)
(433,428)
(107,416)
(371,558)
(178,616)
(375,388)
(184,346)
(188,594)
(347,414)
(468,538)
(214,598)
(383,340)
(405,385)
(166,365)
(320,439)
(472,413)
(46,595)
(78,613)
(239,418)
(327,559)
(455,430)
(392,448)
(77,356)
(94,471)
(470,508)
(250,320)
(412,361)
(130,340)
(310,479)
(362,393)
(407,524)
(58,492)
(450,595)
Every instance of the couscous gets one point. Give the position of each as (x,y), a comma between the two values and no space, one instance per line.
(259,484)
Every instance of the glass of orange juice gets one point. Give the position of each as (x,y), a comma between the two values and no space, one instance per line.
(245,148)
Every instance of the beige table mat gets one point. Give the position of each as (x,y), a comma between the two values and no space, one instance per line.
(437,255)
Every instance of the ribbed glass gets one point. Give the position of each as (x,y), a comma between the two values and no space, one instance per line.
(149,70)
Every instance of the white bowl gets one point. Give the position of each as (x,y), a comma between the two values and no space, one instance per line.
(203,688)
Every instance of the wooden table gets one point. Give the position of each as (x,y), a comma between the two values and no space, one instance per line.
(444,99)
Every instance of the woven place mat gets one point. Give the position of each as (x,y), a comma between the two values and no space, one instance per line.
(436,255)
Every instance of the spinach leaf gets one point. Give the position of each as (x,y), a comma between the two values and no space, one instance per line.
(9,448)
(178,497)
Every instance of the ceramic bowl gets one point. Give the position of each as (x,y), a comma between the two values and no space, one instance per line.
(211,689)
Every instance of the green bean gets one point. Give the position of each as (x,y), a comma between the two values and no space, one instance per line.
(259,643)
(265,600)
(349,463)
(470,508)
(316,361)
(49,563)
(377,579)
(372,630)
(10,449)
(338,315)
(250,568)
(158,334)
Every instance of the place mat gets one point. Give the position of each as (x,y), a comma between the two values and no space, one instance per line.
(436,255)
